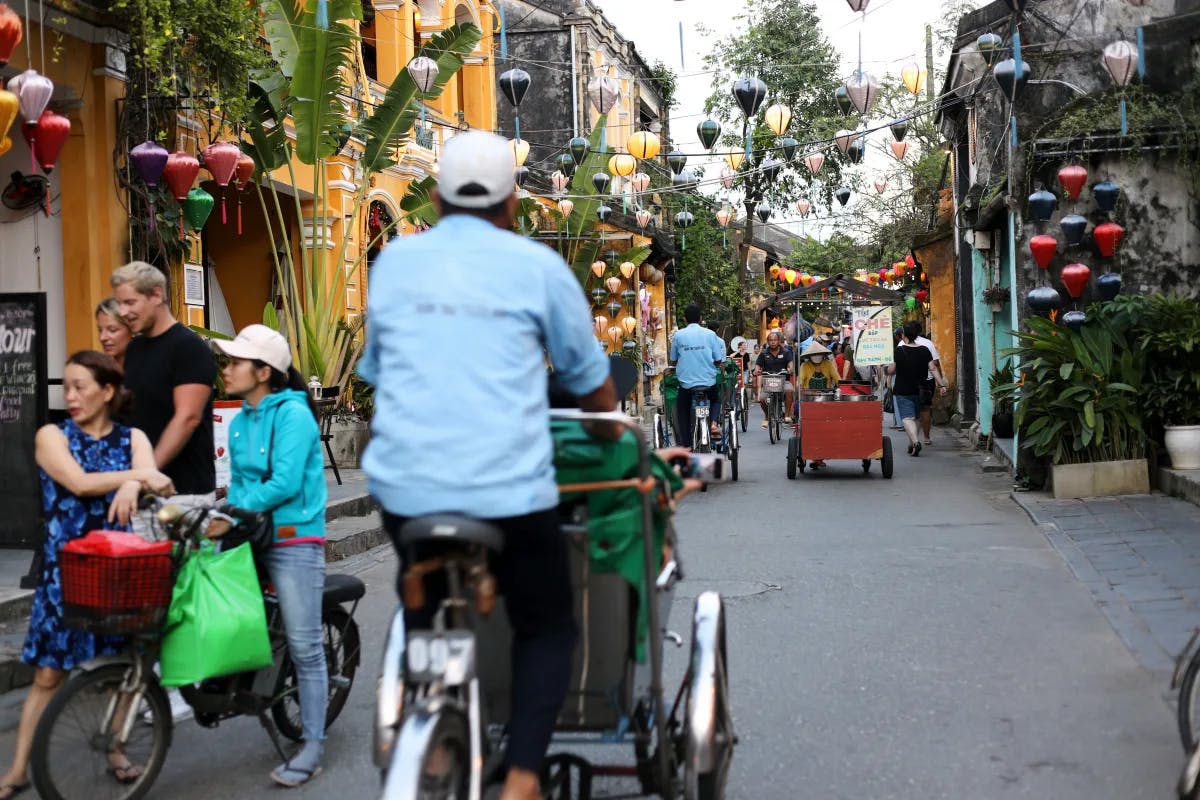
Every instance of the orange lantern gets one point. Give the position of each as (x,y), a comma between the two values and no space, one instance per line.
(891,276)
(805,278)
(872,278)
(627,269)
(774,270)
(629,324)
(598,268)
(614,334)
(899,267)
(599,324)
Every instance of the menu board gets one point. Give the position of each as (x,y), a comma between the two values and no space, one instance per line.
(23,379)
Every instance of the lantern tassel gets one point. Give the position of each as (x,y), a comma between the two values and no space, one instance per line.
(1124,119)
(517,123)
(152,215)
(239,215)
(503,32)
(32,156)
(323,14)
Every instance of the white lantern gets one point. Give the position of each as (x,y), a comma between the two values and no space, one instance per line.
(424,72)
(728,176)
(559,182)
(603,92)
(1121,61)
(864,91)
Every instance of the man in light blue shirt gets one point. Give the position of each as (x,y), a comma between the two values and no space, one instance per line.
(460,320)
(696,351)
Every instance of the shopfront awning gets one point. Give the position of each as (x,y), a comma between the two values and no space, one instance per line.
(853,291)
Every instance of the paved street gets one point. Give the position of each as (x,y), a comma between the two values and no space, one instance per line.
(914,638)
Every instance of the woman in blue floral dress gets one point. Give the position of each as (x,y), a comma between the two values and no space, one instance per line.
(92,470)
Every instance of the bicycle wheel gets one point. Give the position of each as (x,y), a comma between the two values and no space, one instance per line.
(342,652)
(658,432)
(81,727)
(772,417)
(710,738)
(1187,712)
(744,411)
(431,758)
(700,437)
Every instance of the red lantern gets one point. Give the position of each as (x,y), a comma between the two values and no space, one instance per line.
(883,275)
(10,33)
(1075,277)
(51,133)
(242,173)
(922,295)
(180,173)
(1108,237)
(1043,248)
(220,159)
(909,261)
(899,267)
(1071,178)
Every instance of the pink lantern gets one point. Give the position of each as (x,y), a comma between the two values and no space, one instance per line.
(814,162)
(600,324)
(221,159)
(627,268)
(603,92)
(900,149)
(1075,277)
(613,284)
(566,207)
(1120,59)
(723,216)
(640,182)
(598,268)
(643,217)
(1108,237)
(803,205)
(858,5)
(843,138)
(614,334)
(559,182)
(33,92)
(922,295)
(881,185)
(1072,177)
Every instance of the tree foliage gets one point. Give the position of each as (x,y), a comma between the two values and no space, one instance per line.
(707,273)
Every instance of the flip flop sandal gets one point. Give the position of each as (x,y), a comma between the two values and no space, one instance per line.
(916,451)
(130,773)
(306,775)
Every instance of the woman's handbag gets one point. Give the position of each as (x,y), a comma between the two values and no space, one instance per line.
(217,624)
(889,404)
(260,534)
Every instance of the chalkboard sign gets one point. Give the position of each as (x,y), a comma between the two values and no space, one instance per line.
(23,379)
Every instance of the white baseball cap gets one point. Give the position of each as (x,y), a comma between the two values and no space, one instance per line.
(476,170)
(258,343)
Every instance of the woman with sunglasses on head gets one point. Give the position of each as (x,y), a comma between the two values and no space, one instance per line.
(276,465)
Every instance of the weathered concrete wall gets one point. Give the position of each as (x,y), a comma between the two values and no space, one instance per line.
(546,110)
(937,260)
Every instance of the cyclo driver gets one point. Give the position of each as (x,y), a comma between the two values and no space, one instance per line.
(425,300)
(696,352)
(775,358)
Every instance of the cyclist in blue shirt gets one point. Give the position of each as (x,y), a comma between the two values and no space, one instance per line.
(476,439)
(696,353)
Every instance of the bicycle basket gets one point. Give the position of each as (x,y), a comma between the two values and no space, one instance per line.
(116,583)
(773,383)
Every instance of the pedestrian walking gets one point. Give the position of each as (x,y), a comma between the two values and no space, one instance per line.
(91,470)
(113,330)
(276,466)
(928,387)
(912,363)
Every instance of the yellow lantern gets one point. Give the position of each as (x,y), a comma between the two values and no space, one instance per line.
(614,334)
(520,151)
(778,117)
(600,324)
(913,76)
(9,106)
(805,278)
(734,158)
(890,276)
(643,145)
(774,270)
(627,269)
(613,284)
(872,278)
(629,324)
(899,267)
(790,276)
(598,268)
(622,165)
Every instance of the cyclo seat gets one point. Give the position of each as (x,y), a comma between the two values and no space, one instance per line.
(343,589)
(452,529)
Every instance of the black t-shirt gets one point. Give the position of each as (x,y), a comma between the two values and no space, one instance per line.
(912,366)
(154,366)
(743,359)
(772,363)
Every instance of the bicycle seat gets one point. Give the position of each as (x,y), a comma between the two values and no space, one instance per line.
(448,528)
(343,589)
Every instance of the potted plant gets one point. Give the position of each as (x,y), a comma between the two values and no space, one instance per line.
(996,296)
(1080,407)
(1167,331)
(1004,391)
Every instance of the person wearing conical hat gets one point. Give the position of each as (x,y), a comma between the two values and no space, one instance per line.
(816,368)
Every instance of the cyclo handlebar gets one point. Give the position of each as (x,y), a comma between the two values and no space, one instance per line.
(187,524)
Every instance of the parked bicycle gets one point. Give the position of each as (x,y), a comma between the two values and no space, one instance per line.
(115,704)
(774,384)
(1186,677)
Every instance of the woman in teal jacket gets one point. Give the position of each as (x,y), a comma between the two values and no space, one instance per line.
(277,466)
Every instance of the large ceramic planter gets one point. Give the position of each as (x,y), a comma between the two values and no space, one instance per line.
(1183,445)
(1100,479)
(349,441)
(1002,426)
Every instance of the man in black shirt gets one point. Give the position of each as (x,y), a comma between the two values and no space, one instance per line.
(776,358)
(170,371)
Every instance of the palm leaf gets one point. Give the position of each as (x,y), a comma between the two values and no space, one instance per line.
(269,145)
(417,205)
(325,58)
(282,27)
(388,128)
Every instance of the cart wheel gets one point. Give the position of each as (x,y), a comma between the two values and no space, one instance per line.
(866,465)
(733,459)
(708,724)
(792,457)
(885,463)
(801,464)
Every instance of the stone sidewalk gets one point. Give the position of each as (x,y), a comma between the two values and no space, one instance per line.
(1140,557)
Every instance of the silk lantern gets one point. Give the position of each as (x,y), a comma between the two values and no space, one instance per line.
(988,45)
(708,131)
(600,182)
(10,36)
(763,211)
(220,159)
(1074,278)
(614,334)
(1121,61)
(148,160)
(843,138)
(603,92)
(1074,319)
(1042,204)
(899,129)
(803,205)
(789,275)
(1043,247)
(723,216)
(180,173)
(872,278)
(676,160)
(734,158)
(1107,236)
(559,182)
(1005,73)
(33,95)
(883,273)
(774,271)
(424,73)
(858,5)
(520,175)
(566,164)
(5,144)
(578,148)
(520,151)
(749,93)
(629,324)
(1072,177)
(900,149)
(842,193)
(806,279)
(10,106)
(514,84)
(627,268)
(881,186)
(789,146)
(613,284)
(1106,194)
(643,145)
(728,176)
(639,182)
(842,98)
(899,267)
(628,298)
(599,324)
(622,165)
(863,89)
(565,207)
(643,217)
(1073,227)
(778,117)
(598,268)
(1108,285)
(685,219)
(856,150)
(922,295)
(814,162)
(51,134)
(770,169)
(914,76)
(197,206)
(603,213)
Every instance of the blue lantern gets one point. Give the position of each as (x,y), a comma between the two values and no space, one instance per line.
(1073,227)
(1108,285)
(1042,205)
(1106,194)
(1074,320)
(1043,300)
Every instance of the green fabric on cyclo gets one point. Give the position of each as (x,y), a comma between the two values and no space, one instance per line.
(614,515)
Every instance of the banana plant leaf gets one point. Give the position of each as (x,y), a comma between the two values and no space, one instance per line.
(417,205)
(326,56)
(282,26)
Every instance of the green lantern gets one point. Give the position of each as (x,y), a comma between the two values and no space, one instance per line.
(196,208)
(910,303)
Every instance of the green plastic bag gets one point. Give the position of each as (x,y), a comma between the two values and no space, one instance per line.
(217,624)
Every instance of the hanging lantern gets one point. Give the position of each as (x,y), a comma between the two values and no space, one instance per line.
(1005,73)
(728,176)
(883,274)
(520,175)
(603,213)
(424,72)
(843,138)
(578,148)
(922,295)
(243,171)
(148,160)
(600,181)
(872,278)
(1074,319)
(643,217)
(863,89)
(900,149)
(684,219)
(520,151)
(814,161)
(1042,204)
(628,298)
(771,168)
(598,268)
(643,145)
(1072,177)
(51,134)
(559,182)
(856,151)
(622,165)
(1075,277)
(1105,192)
(788,147)
(708,132)
(899,129)
(774,271)
(806,279)
(899,268)
(6,144)
(1073,227)
(603,92)
(734,158)
(988,45)
(565,207)
(1043,247)
(10,36)
(599,324)
(889,277)
(914,76)
(627,268)
(197,206)
(33,92)
(723,215)
(514,83)
(640,182)
(180,173)
(566,165)
(803,205)
(613,284)
(778,117)
(1120,60)
(1043,300)
(10,106)
(763,211)
(676,160)
(881,185)
(599,295)
(790,275)
(842,97)
(749,94)
(220,159)
(630,325)
(683,180)
(614,334)
(1108,285)
(1107,236)
(858,5)
(842,194)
